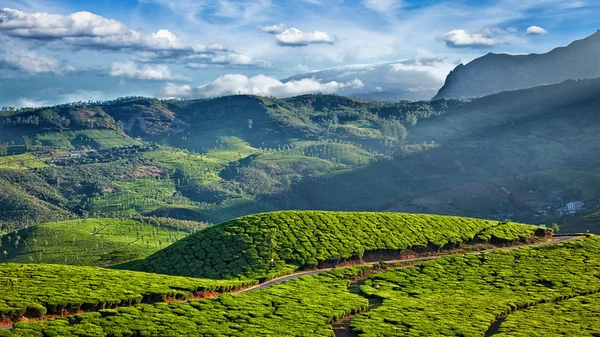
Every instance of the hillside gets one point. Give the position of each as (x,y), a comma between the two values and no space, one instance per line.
(35,290)
(503,156)
(480,295)
(89,242)
(494,73)
(269,244)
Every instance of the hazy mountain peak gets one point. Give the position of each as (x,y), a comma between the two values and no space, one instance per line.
(494,73)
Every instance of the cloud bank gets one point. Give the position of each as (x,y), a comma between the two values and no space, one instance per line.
(412,79)
(261,85)
(130,70)
(91,31)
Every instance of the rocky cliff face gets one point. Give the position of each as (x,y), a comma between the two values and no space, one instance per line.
(495,73)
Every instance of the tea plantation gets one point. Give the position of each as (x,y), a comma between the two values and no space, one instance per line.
(90,242)
(466,295)
(577,316)
(266,245)
(451,296)
(38,289)
(305,306)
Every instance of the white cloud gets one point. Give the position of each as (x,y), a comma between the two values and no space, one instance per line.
(382,6)
(535,30)
(459,38)
(32,62)
(129,69)
(258,85)
(294,37)
(54,26)
(275,29)
(87,30)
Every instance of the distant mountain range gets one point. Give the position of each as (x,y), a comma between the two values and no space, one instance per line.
(412,79)
(495,73)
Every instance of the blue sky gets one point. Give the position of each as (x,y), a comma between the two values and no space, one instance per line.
(57,51)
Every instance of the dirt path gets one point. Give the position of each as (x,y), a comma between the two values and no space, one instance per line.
(282,279)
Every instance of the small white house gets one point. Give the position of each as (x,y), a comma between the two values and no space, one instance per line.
(574,206)
(75,155)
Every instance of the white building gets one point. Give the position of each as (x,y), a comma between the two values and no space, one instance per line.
(574,206)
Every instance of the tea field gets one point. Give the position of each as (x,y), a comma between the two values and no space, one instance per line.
(270,244)
(38,289)
(461,295)
(90,242)
(467,295)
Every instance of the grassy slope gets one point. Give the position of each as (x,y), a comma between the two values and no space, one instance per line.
(38,289)
(474,290)
(471,289)
(72,242)
(300,239)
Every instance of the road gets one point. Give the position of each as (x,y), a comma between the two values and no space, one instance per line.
(282,279)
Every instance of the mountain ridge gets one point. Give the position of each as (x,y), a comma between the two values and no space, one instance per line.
(495,73)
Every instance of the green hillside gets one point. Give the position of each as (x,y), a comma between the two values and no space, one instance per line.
(497,157)
(89,242)
(470,295)
(34,290)
(269,244)
(480,294)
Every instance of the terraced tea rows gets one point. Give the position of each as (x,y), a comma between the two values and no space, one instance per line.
(451,296)
(270,244)
(304,306)
(464,295)
(572,317)
(89,242)
(37,289)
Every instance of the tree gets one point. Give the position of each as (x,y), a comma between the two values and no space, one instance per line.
(27,142)
(555,228)
(3,149)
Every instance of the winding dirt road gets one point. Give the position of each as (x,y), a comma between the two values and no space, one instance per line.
(268,284)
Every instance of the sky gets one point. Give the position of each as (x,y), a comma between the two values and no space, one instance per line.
(58,51)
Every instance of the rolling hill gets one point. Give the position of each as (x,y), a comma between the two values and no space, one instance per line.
(498,157)
(89,242)
(271,244)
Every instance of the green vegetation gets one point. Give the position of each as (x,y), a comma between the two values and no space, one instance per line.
(476,290)
(95,139)
(451,296)
(572,317)
(480,158)
(22,161)
(302,307)
(35,290)
(270,244)
(90,242)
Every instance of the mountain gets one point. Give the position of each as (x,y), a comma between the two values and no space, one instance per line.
(503,156)
(410,79)
(494,73)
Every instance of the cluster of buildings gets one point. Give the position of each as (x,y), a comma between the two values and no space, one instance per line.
(570,208)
